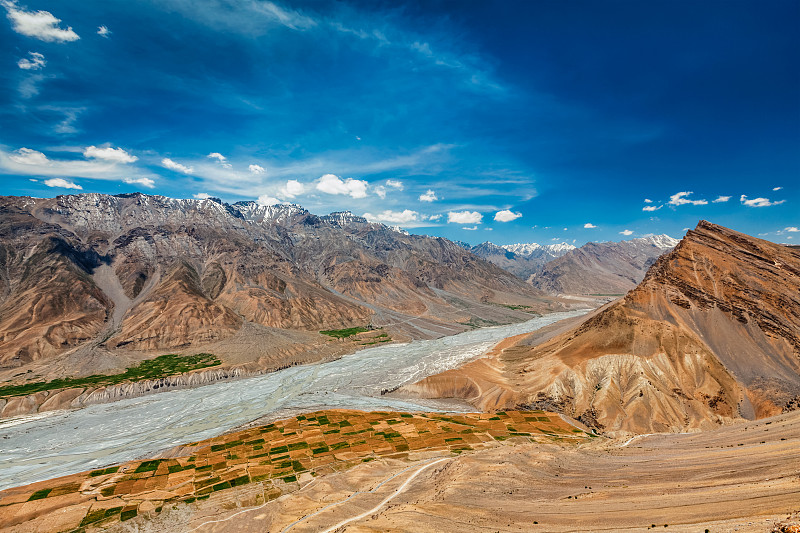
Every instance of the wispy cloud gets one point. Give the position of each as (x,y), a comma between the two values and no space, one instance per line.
(721,199)
(626,232)
(682,198)
(107,153)
(34,61)
(759,202)
(652,207)
(103,31)
(99,164)
(172,165)
(144,182)
(589,225)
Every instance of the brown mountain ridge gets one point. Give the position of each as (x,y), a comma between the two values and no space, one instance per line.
(711,335)
(107,280)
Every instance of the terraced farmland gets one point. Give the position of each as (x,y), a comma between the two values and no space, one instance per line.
(281,457)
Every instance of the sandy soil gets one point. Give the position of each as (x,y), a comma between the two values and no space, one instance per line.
(738,478)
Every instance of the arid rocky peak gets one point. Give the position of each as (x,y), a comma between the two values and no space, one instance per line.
(711,335)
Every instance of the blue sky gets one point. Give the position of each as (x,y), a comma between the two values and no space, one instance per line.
(505,121)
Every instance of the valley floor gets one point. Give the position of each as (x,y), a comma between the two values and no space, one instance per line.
(744,477)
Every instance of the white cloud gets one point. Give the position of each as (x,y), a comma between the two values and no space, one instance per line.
(172,165)
(791,229)
(721,199)
(429,196)
(759,202)
(144,182)
(267,200)
(61,182)
(34,61)
(464,217)
(394,217)
(380,190)
(589,225)
(221,159)
(652,207)
(777,188)
(435,218)
(103,31)
(332,184)
(473,228)
(38,24)
(27,156)
(395,184)
(256,169)
(506,215)
(681,198)
(202,196)
(626,232)
(29,162)
(116,155)
(489,229)
(292,188)
(648,201)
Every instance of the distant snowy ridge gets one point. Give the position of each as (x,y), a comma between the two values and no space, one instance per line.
(659,241)
(526,249)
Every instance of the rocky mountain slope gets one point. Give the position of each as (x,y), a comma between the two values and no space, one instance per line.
(605,268)
(142,274)
(522,259)
(711,335)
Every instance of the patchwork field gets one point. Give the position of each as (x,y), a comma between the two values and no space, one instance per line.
(280,457)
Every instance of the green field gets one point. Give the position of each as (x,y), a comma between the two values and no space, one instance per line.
(344,333)
(162,366)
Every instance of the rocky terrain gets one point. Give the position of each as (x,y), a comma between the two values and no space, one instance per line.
(132,275)
(735,478)
(710,336)
(522,259)
(601,268)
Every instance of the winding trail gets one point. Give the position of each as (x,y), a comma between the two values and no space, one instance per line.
(386,500)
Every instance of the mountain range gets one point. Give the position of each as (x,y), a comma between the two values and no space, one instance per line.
(141,274)
(605,268)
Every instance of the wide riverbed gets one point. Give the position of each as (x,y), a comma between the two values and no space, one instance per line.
(55,444)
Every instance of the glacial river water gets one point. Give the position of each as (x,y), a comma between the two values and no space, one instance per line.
(64,442)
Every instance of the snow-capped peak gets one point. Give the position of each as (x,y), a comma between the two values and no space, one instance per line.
(660,241)
(522,248)
(529,248)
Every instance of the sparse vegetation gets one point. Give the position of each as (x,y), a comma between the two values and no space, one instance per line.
(160,367)
(281,451)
